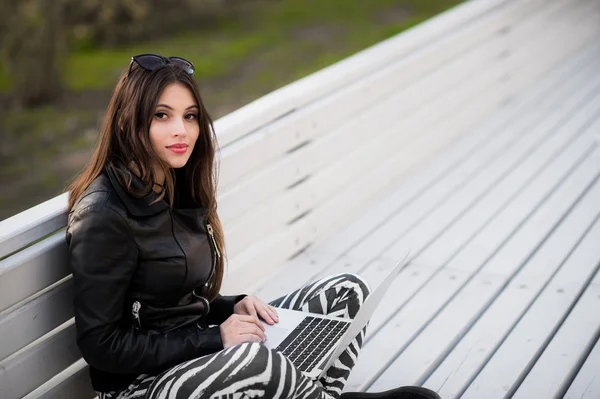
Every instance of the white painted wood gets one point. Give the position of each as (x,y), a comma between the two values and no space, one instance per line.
(587,384)
(438,221)
(26,322)
(351,132)
(419,194)
(471,351)
(487,178)
(364,374)
(518,302)
(33,269)
(564,352)
(484,178)
(27,369)
(277,248)
(339,112)
(520,202)
(299,241)
(29,226)
(450,242)
(290,205)
(71,383)
(274,215)
(275,140)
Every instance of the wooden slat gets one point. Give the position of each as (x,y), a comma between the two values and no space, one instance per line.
(274,215)
(27,369)
(430,227)
(363,375)
(335,171)
(472,298)
(72,383)
(439,337)
(304,91)
(349,133)
(442,71)
(587,384)
(19,326)
(33,269)
(437,221)
(29,226)
(567,349)
(511,355)
(273,252)
(418,195)
(273,141)
(494,207)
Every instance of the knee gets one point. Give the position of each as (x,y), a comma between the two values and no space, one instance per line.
(255,354)
(359,284)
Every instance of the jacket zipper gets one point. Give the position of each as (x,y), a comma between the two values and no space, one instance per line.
(135,311)
(213,243)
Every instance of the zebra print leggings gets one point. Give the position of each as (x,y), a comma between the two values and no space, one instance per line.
(253,371)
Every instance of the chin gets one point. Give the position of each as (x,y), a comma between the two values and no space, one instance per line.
(179,163)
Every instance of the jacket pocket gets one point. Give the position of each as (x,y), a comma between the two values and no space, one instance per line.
(148,317)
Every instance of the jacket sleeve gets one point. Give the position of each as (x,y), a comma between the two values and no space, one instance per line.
(103,259)
(222,307)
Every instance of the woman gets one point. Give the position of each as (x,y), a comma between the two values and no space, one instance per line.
(147,254)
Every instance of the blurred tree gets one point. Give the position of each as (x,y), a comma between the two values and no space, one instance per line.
(33,46)
(35,34)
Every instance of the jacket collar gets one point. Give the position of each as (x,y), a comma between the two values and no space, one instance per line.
(136,206)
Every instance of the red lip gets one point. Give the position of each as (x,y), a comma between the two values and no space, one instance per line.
(179,148)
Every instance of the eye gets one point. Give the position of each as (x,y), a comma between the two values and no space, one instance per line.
(191,116)
(160,115)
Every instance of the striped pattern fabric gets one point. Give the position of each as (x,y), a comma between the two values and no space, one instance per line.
(251,370)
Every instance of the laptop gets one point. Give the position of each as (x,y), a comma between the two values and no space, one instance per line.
(312,341)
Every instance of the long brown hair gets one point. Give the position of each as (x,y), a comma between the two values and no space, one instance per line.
(125,139)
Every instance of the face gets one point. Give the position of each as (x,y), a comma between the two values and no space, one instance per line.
(175,128)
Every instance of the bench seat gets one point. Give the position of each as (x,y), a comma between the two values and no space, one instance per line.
(469,138)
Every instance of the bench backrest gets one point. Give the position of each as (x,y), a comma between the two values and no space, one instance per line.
(298,163)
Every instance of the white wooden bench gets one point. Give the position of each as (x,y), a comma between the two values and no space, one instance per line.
(310,173)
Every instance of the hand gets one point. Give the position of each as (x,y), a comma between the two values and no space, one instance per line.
(238,329)
(254,306)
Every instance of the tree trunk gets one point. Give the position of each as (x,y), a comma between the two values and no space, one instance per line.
(36,51)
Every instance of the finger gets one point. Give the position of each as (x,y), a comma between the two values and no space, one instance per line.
(252,320)
(274,313)
(252,329)
(261,334)
(251,338)
(266,315)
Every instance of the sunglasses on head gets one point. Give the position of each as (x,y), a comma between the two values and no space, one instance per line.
(152,61)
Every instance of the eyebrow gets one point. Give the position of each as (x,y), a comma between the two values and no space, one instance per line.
(171,108)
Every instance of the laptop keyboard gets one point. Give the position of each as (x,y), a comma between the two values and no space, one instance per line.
(311,339)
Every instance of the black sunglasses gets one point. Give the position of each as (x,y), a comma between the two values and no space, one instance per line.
(152,61)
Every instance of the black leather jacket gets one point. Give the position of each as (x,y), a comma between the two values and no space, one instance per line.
(139,270)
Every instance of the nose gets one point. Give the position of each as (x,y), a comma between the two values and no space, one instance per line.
(179,128)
